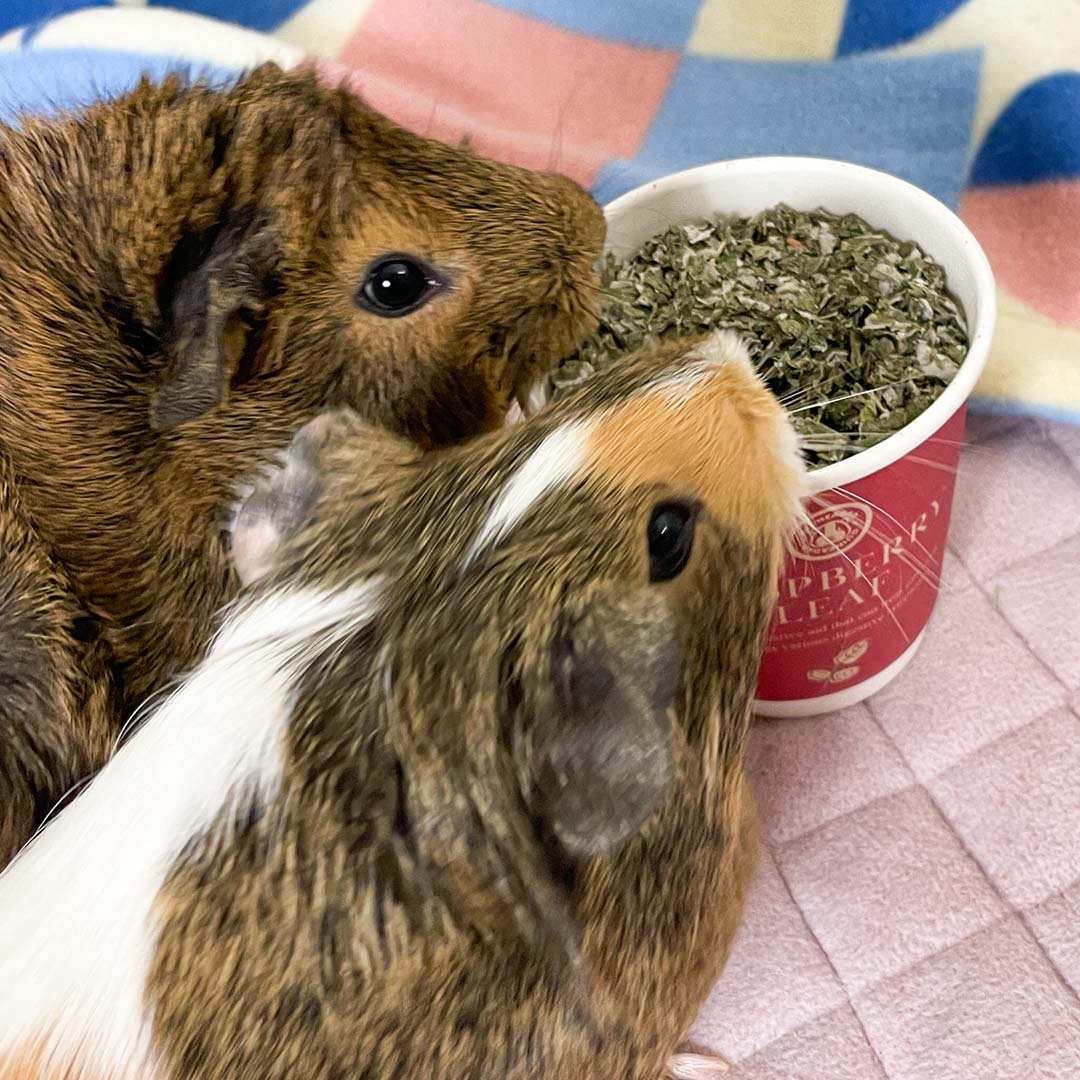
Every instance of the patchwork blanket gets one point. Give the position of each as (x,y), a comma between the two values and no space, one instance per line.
(977,101)
(917,916)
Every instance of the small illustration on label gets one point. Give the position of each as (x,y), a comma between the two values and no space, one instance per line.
(833,530)
(845,665)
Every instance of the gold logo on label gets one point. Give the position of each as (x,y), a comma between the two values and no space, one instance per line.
(845,665)
(833,530)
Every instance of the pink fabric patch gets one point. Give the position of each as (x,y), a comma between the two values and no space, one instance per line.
(972,682)
(892,874)
(777,977)
(1030,236)
(523,90)
(1039,596)
(1015,805)
(807,772)
(1056,925)
(991,1008)
(1012,496)
(832,1047)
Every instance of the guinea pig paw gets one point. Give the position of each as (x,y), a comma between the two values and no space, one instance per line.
(696,1067)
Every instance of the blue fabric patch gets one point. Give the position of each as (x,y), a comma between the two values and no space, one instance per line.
(1036,136)
(262,15)
(664,24)
(910,117)
(14,13)
(879,24)
(996,407)
(42,81)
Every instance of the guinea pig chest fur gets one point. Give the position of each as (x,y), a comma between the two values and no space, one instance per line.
(188,275)
(461,790)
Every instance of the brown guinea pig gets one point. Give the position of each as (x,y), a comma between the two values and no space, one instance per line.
(189,274)
(458,790)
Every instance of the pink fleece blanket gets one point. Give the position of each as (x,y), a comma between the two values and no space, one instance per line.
(917,915)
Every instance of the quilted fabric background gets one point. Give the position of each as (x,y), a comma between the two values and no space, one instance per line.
(917,916)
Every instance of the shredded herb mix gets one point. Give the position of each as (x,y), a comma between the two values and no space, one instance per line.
(852,328)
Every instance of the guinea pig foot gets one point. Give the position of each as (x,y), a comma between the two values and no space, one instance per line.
(696,1067)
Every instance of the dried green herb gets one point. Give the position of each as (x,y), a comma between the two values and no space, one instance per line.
(853,329)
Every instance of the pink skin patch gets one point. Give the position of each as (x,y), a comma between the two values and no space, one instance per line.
(522,90)
(1030,233)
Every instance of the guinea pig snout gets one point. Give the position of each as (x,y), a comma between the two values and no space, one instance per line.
(582,216)
(697,417)
(593,227)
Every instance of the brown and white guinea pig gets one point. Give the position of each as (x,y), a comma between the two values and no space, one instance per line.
(458,790)
(187,275)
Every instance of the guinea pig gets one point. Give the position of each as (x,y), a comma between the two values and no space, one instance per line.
(458,790)
(187,275)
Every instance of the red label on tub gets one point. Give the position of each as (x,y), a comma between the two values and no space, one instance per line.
(863,576)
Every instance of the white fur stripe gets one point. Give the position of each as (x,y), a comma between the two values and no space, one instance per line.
(720,348)
(77,931)
(552,463)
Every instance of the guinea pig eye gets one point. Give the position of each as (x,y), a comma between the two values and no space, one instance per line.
(394,285)
(671,539)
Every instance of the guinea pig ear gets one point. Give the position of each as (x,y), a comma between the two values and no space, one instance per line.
(281,500)
(214,295)
(606,754)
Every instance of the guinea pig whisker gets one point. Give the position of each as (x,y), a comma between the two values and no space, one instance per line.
(798,392)
(923,571)
(860,574)
(611,297)
(178,621)
(555,153)
(883,512)
(55,809)
(927,463)
(823,443)
(436,102)
(135,720)
(847,397)
(978,450)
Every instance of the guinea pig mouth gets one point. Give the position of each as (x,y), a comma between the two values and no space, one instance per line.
(528,401)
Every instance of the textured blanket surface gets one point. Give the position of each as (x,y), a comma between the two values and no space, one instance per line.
(917,916)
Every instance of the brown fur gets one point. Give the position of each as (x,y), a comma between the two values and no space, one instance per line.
(178,271)
(420,899)
(729,460)
(51,666)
